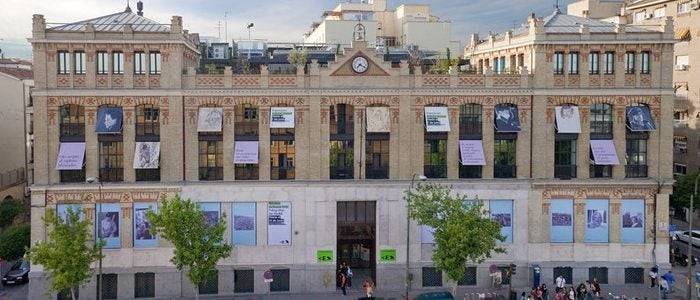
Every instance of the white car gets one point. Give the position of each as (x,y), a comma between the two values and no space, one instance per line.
(685,237)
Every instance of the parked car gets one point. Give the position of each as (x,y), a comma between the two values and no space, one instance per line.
(685,237)
(435,296)
(19,273)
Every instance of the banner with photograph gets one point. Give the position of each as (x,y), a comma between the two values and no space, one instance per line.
(279,223)
(639,118)
(507,118)
(472,153)
(568,119)
(211,211)
(109,120)
(245,152)
(71,156)
(437,119)
(561,213)
(604,152)
(632,231)
(210,119)
(427,234)
(377,119)
(108,224)
(597,221)
(281,117)
(243,214)
(142,226)
(218,51)
(502,212)
(62,210)
(147,155)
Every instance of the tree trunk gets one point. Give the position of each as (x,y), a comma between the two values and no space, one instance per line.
(454,290)
(72,293)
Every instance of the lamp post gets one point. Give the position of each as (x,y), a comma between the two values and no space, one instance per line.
(99,209)
(408,229)
(692,239)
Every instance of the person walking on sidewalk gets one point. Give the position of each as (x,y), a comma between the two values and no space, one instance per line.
(343,283)
(653,273)
(368,285)
(561,282)
(349,273)
(669,280)
(582,292)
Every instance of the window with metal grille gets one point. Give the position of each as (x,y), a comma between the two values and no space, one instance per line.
(243,281)
(559,63)
(139,63)
(470,122)
(565,272)
(609,62)
(210,286)
(636,154)
(598,273)
(634,275)
(154,63)
(111,158)
(601,122)
(341,159)
(109,286)
(102,63)
(565,156)
(593,62)
(504,165)
(79,62)
(431,277)
(65,294)
(144,285)
(280,280)
(211,156)
(645,67)
(63,62)
(282,157)
(435,155)
(341,120)
(117,63)
(573,63)
(377,153)
(469,277)
(630,60)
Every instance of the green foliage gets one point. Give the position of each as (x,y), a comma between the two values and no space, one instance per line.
(245,66)
(211,69)
(463,233)
(14,241)
(198,246)
(68,252)
(9,209)
(297,57)
(682,189)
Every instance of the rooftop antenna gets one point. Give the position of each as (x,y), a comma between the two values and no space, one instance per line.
(218,27)
(556,6)
(226,25)
(128,8)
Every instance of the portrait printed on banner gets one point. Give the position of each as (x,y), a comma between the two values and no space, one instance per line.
(211,218)
(507,119)
(143,225)
(639,119)
(109,120)
(597,218)
(633,220)
(561,219)
(147,155)
(210,119)
(109,224)
(502,218)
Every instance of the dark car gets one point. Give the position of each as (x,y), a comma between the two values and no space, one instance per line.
(19,273)
(435,296)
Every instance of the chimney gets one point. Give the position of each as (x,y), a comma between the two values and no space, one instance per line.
(139,8)
(38,26)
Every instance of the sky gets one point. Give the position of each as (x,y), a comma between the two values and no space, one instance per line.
(285,20)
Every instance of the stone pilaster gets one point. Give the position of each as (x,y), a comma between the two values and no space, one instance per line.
(359,143)
(54,176)
(301,143)
(129,144)
(579,220)
(487,133)
(583,160)
(523,144)
(324,141)
(264,135)
(395,140)
(543,139)
(453,143)
(191,140)
(172,117)
(406,141)
(92,164)
(127,224)
(620,139)
(614,221)
(228,137)
(316,163)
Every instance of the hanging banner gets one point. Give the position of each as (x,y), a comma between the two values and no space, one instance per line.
(561,229)
(507,118)
(502,212)
(109,120)
(142,226)
(639,119)
(604,152)
(437,119)
(62,210)
(632,231)
(147,155)
(108,224)
(210,119)
(211,211)
(281,117)
(568,119)
(377,119)
(597,221)
(279,223)
(472,153)
(427,234)
(243,214)
(71,156)
(245,152)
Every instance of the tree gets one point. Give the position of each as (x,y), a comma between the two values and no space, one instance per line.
(68,251)
(682,189)
(14,241)
(9,209)
(198,244)
(462,232)
(297,57)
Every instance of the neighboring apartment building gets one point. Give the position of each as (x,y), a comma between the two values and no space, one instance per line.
(16,131)
(408,24)
(310,168)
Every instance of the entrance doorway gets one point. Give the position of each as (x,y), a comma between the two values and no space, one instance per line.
(357,239)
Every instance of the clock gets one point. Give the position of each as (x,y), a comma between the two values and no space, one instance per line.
(360,64)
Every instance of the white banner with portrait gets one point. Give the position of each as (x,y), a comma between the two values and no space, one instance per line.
(568,119)
(147,155)
(377,119)
(210,119)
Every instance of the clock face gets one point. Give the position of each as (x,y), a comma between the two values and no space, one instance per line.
(360,64)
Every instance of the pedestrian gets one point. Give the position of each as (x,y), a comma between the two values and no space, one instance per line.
(368,285)
(663,286)
(581,292)
(545,292)
(349,273)
(589,290)
(343,283)
(670,280)
(572,293)
(653,273)
(560,281)
(523,296)
(596,288)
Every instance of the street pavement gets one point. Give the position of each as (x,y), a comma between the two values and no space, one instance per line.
(17,292)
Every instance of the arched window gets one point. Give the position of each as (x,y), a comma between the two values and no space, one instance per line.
(435,151)
(246,128)
(341,141)
(470,128)
(147,122)
(147,138)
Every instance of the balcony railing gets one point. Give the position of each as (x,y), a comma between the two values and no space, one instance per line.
(277,173)
(342,172)
(246,172)
(112,174)
(565,171)
(435,171)
(600,171)
(147,174)
(211,173)
(377,172)
(504,171)
(636,171)
(470,171)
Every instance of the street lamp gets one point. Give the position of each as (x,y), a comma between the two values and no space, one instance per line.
(692,238)
(99,209)
(408,228)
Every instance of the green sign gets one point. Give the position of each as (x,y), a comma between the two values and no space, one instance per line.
(387,255)
(324,256)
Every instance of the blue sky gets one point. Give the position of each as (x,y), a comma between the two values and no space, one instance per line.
(283,20)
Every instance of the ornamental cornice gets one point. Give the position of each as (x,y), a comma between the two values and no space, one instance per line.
(117,195)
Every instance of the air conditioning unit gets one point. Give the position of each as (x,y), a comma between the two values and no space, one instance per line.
(681,68)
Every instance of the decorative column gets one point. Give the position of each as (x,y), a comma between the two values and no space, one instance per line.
(614,219)
(92,166)
(324,139)
(191,140)
(620,137)
(301,140)
(487,137)
(228,140)
(453,143)
(172,117)
(583,144)
(523,144)
(264,144)
(128,142)
(394,140)
(580,218)
(359,144)
(315,120)
(127,234)
(53,142)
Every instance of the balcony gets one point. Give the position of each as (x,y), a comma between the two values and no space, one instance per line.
(435,171)
(470,171)
(600,171)
(636,171)
(277,173)
(377,172)
(211,173)
(504,171)
(565,171)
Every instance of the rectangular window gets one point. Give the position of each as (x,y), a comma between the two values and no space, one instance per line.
(102,63)
(573,63)
(660,12)
(504,158)
(280,280)
(377,153)
(558,63)
(609,62)
(154,63)
(144,285)
(565,159)
(117,63)
(636,158)
(139,63)
(645,67)
(147,132)
(564,272)
(634,275)
(435,155)
(683,7)
(601,121)
(593,63)
(79,62)
(598,273)
(243,281)
(630,61)
(469,278)
(109,286)
(680,169)
(63,62)
(680,144)
(210,286)
(211,156)
(431,276)
(282,158)
(341,159)
(111,158)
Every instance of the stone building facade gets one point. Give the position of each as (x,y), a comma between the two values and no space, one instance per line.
(327,184)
